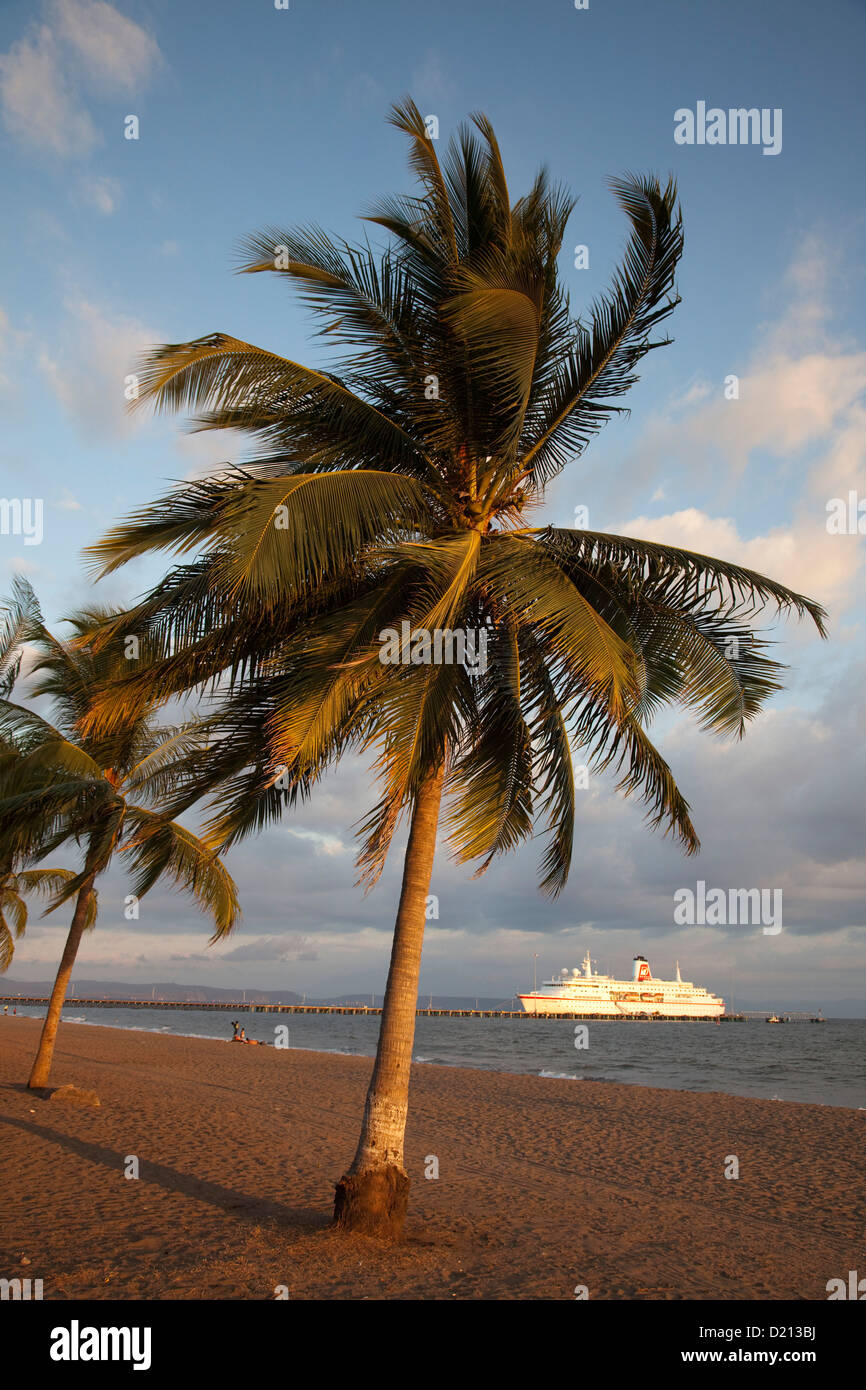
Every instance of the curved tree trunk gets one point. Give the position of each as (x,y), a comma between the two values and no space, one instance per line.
(42,1065)
(373,1195)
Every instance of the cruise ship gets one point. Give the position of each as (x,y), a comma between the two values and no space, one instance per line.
(588,995)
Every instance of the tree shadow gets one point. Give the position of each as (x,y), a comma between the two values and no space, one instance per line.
(171,1180)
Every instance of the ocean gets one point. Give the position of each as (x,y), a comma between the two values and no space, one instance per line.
(823,1064)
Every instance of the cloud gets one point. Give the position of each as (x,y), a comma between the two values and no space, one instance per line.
(115,53)
(17,564)
(324,844)
(68,503)
(102,193)
(85,44)
(5,335)
(802,556)
(430,81)
(86,369)
(785,405)
(795,431)
(270,948)
(37,101)
(206,452)
(799,391)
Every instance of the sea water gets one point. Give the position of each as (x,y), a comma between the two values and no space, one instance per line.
(822,1063)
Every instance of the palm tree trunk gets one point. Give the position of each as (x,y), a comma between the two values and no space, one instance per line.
(42,1065)
(373,1195)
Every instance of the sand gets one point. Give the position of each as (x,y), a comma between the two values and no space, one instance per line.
(543,1184)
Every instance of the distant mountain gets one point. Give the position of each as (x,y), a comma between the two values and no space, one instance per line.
(172,993)
(201,994)
(439,1001)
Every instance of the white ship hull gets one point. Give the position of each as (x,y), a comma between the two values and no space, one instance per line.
(601,996)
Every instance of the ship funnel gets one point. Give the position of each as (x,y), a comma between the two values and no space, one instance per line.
(641,969)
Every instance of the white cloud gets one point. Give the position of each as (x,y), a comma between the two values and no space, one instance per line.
(102,193)
(324,844)
(210,451)
(115,53)
(68,503)
(803,556)
(86,43)
(801,402)
(38,103)
(16,564)
(798,391)
(86,369)
(786,404)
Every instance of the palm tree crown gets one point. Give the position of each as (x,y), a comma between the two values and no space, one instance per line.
(59,786)
(398,488)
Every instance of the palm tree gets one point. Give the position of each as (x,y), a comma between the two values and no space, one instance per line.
(59,786)
(396,490)
(15,882)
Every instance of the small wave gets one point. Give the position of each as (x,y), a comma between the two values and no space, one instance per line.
(336,1051)
(570,1076)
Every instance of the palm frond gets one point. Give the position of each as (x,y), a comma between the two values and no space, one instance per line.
(161,847)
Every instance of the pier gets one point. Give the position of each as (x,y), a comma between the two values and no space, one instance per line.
(244,1006)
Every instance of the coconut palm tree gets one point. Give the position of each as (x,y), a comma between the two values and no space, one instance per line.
(60,787)
(391,498)
(16,882)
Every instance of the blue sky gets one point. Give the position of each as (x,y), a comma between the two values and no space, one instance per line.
(251,116)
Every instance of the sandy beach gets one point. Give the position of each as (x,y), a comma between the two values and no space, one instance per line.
(543,1184)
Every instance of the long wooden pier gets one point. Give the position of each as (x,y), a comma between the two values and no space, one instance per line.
(243,1006)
